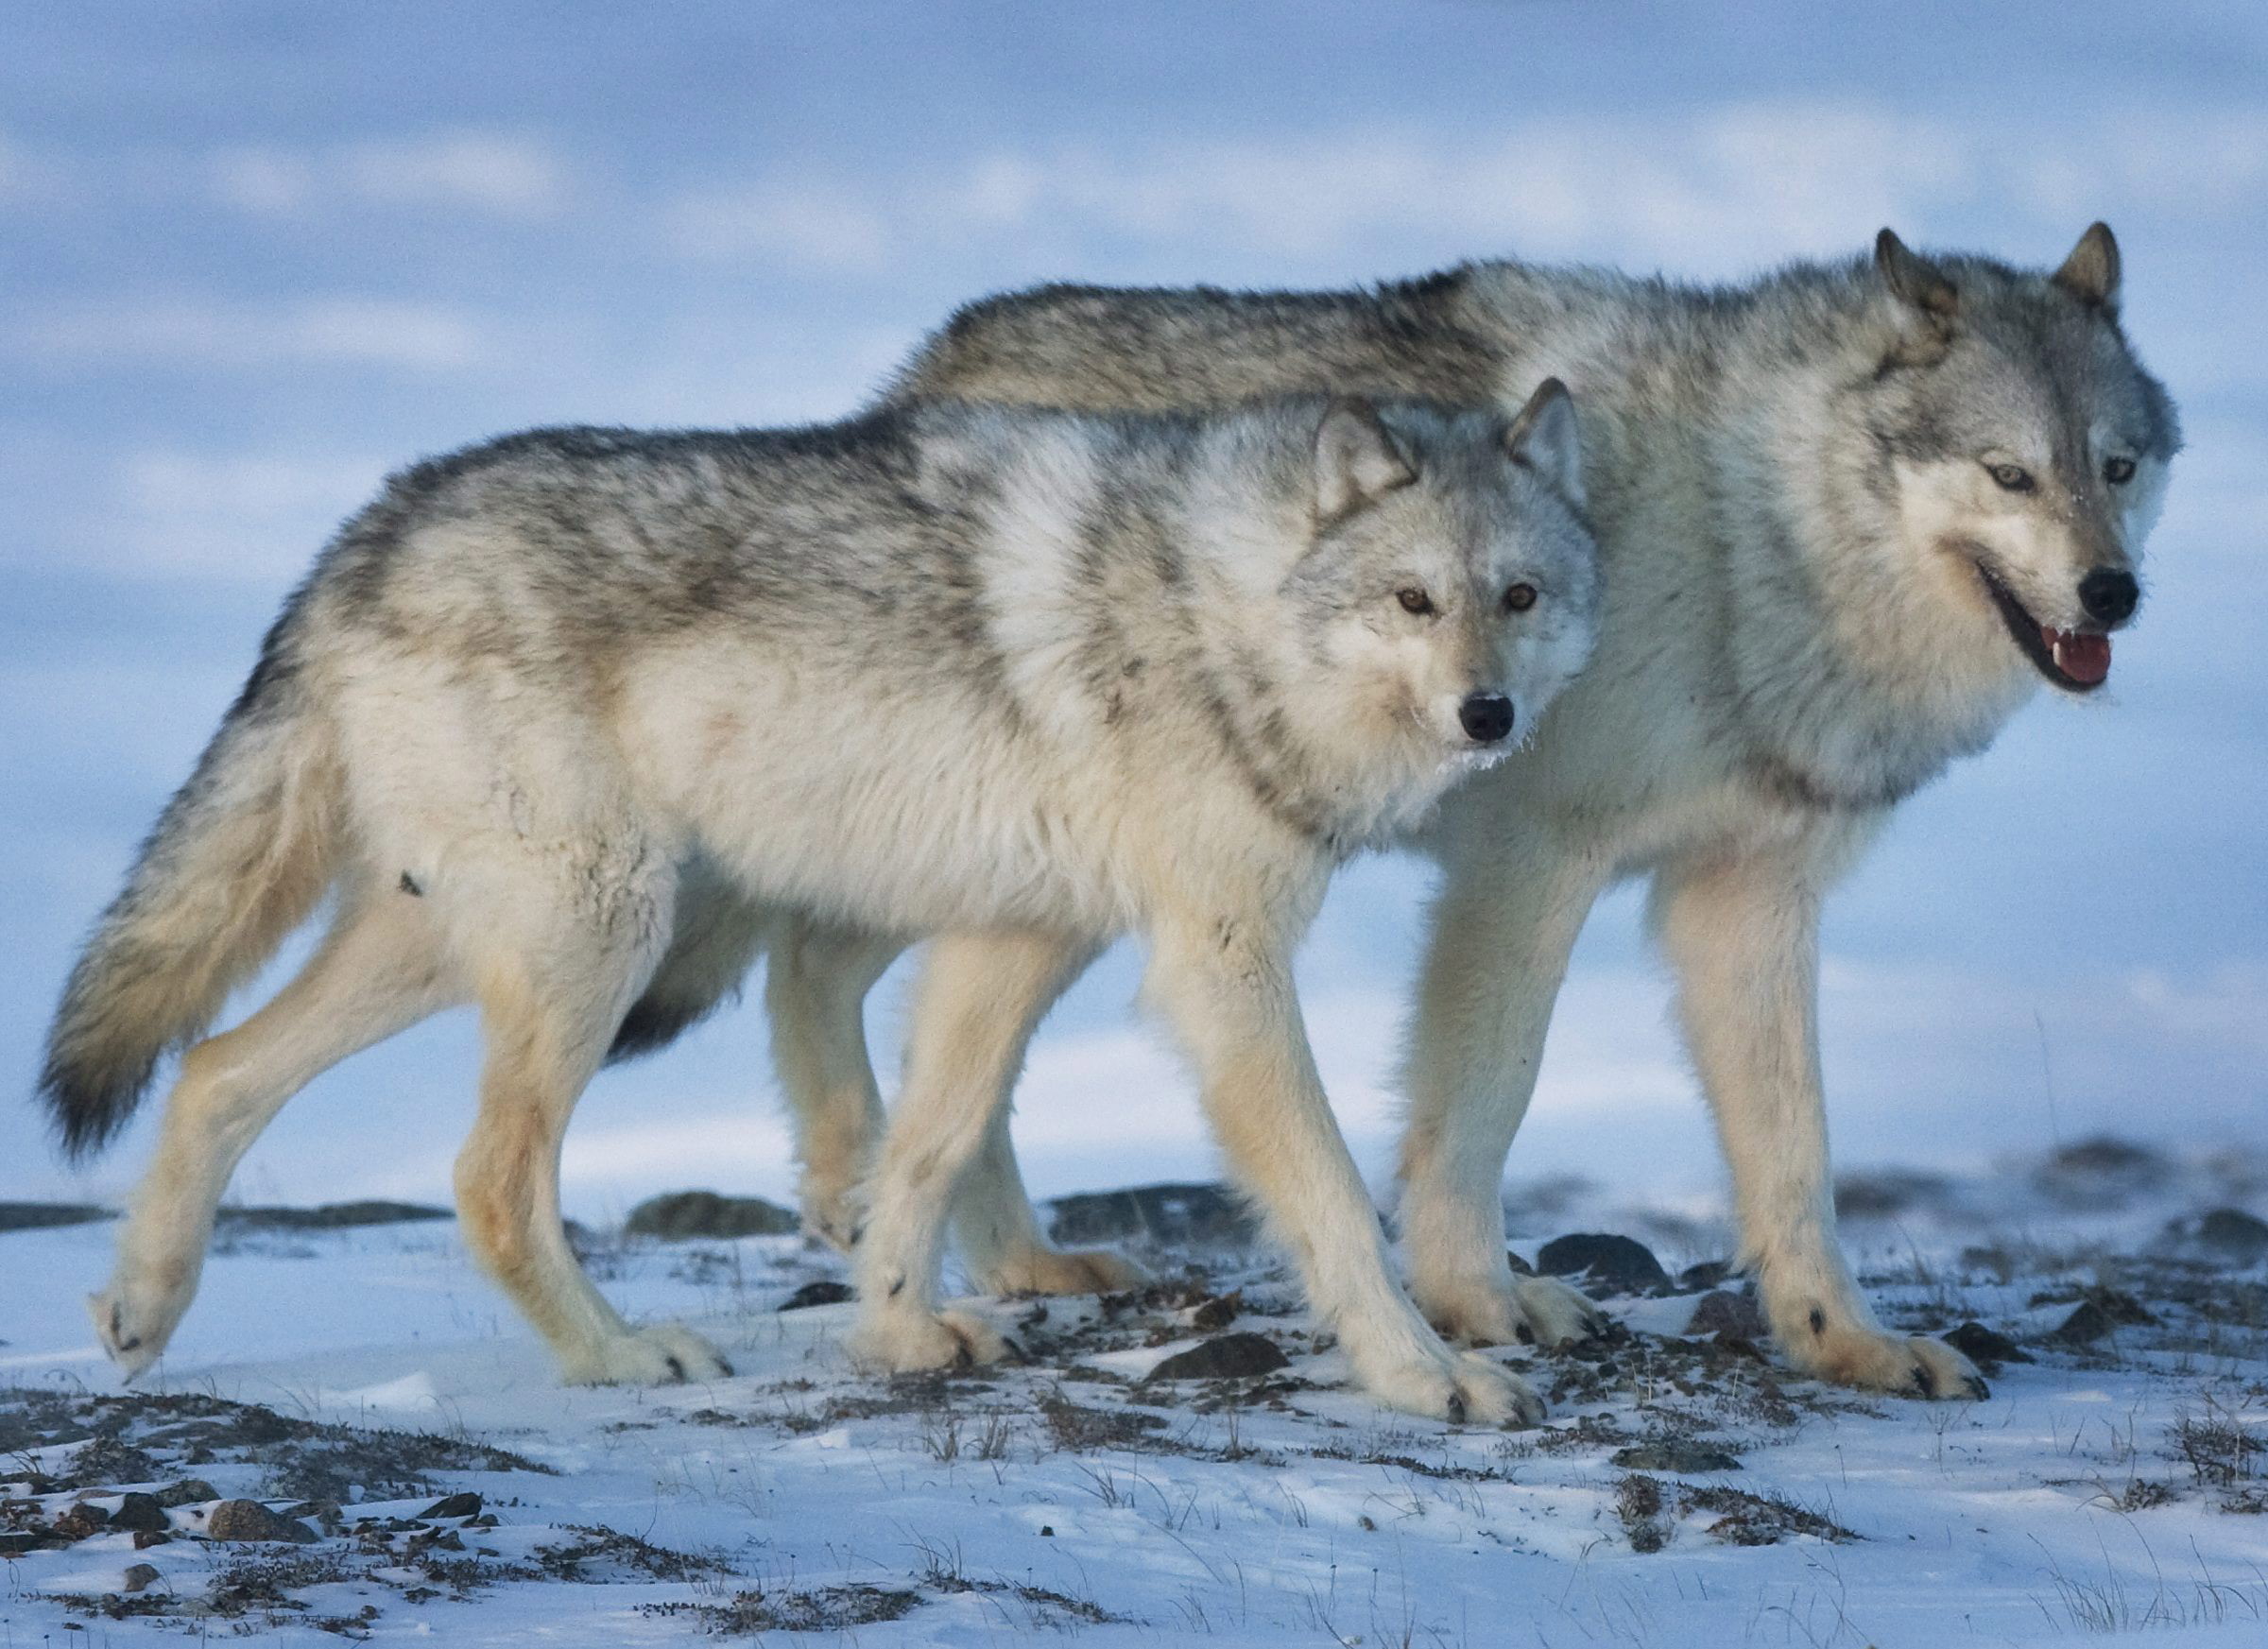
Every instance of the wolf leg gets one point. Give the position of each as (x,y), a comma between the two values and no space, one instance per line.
(1743,935)
(554,980)
(999,1232)
(962,1057)
(1232,999)
(1506,919)
(376,973)
(814,992)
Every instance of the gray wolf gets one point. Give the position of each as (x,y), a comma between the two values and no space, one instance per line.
(1852,516)
(551,707)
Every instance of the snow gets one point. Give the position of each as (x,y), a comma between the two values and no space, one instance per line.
(1064,1495)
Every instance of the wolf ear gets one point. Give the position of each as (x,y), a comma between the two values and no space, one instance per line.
(1914,279)
(1357,459)
(1544,438)
(2091,274)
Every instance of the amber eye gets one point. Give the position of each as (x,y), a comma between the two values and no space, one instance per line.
(2012,478)
(1519,598)
(1414,600)
(2118,471)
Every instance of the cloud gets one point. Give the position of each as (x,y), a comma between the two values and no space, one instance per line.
(486,174)
(235,515)
(340,331)
(1717,191)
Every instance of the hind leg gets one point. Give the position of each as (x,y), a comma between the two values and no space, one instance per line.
(549,1006)
(999,1232)
(962,1057)
(377,971)
(814,992)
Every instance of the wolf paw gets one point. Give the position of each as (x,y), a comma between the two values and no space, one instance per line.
(134,1318)
(1526,1311)
(665,1354)
(1462,1387)
(1063,1271)
(1872,1361)
(905,1343)
(834,1211)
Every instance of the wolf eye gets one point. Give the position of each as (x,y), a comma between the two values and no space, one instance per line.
(2118,471)
(1414,600)
(1519,598)
(2012,478)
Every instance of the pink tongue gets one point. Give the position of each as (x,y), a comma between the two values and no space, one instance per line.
(2083,658)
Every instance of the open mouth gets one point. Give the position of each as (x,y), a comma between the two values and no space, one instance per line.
(2075,661)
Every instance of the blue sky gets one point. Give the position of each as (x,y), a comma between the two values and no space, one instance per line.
(253,257)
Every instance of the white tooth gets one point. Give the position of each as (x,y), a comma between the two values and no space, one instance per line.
(2056,653)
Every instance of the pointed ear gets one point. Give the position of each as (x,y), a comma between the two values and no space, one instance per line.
(1357,459)
(1914,279)
(1544,438)
(2091,274)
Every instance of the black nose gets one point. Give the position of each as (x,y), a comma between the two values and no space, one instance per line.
(2109,596)
(1487,716)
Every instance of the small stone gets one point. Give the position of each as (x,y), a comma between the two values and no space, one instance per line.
(146,1539)
(1985,1347)
(2085,1326)
(81,1520)
(1047,1531)
(139,1512)
(1519,1267)
(455,1505)
(1726,1312)
(248,1521)
(1676,1455)
(140,1577)
(1224,1357)
(1607,1262)
(1709,1274)
(190,1491)
(1216,1312)
(824,1292)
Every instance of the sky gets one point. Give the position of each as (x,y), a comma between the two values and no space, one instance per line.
(253,257)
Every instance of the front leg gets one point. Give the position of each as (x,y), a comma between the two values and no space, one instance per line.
(1227,988)
(1743,932)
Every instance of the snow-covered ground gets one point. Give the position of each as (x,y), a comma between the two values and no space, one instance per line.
(1684,1490)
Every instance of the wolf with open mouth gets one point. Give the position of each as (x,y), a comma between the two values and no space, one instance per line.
(1851,516)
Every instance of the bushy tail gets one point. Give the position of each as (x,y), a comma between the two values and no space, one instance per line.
(240,856)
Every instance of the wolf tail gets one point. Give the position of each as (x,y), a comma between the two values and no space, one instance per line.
(239,857)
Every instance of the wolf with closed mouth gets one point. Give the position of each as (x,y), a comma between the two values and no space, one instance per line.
(1852,516)
(554,706)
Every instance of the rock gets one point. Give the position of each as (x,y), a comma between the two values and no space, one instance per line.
(2085,1326)
(1217,1313)
(1985,1347)
(823,1292)
(1209,1216)
(146,1539)
(1519,1267)
(455,1505)
(1709,1274)
(140,1577)
(1726,1312)
(1676,1455)
(330,1217)
(2230,1232)
(139,1512)
(81,1520)
(248,1521)
(684,1215)
(40,1217)
(1887,1192)
(1605,1264)
(1224,1357)
(2099,1172)
(15,1542)
(190,1491)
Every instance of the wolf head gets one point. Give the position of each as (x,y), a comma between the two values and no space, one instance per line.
(2023,450)
(1450,588)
